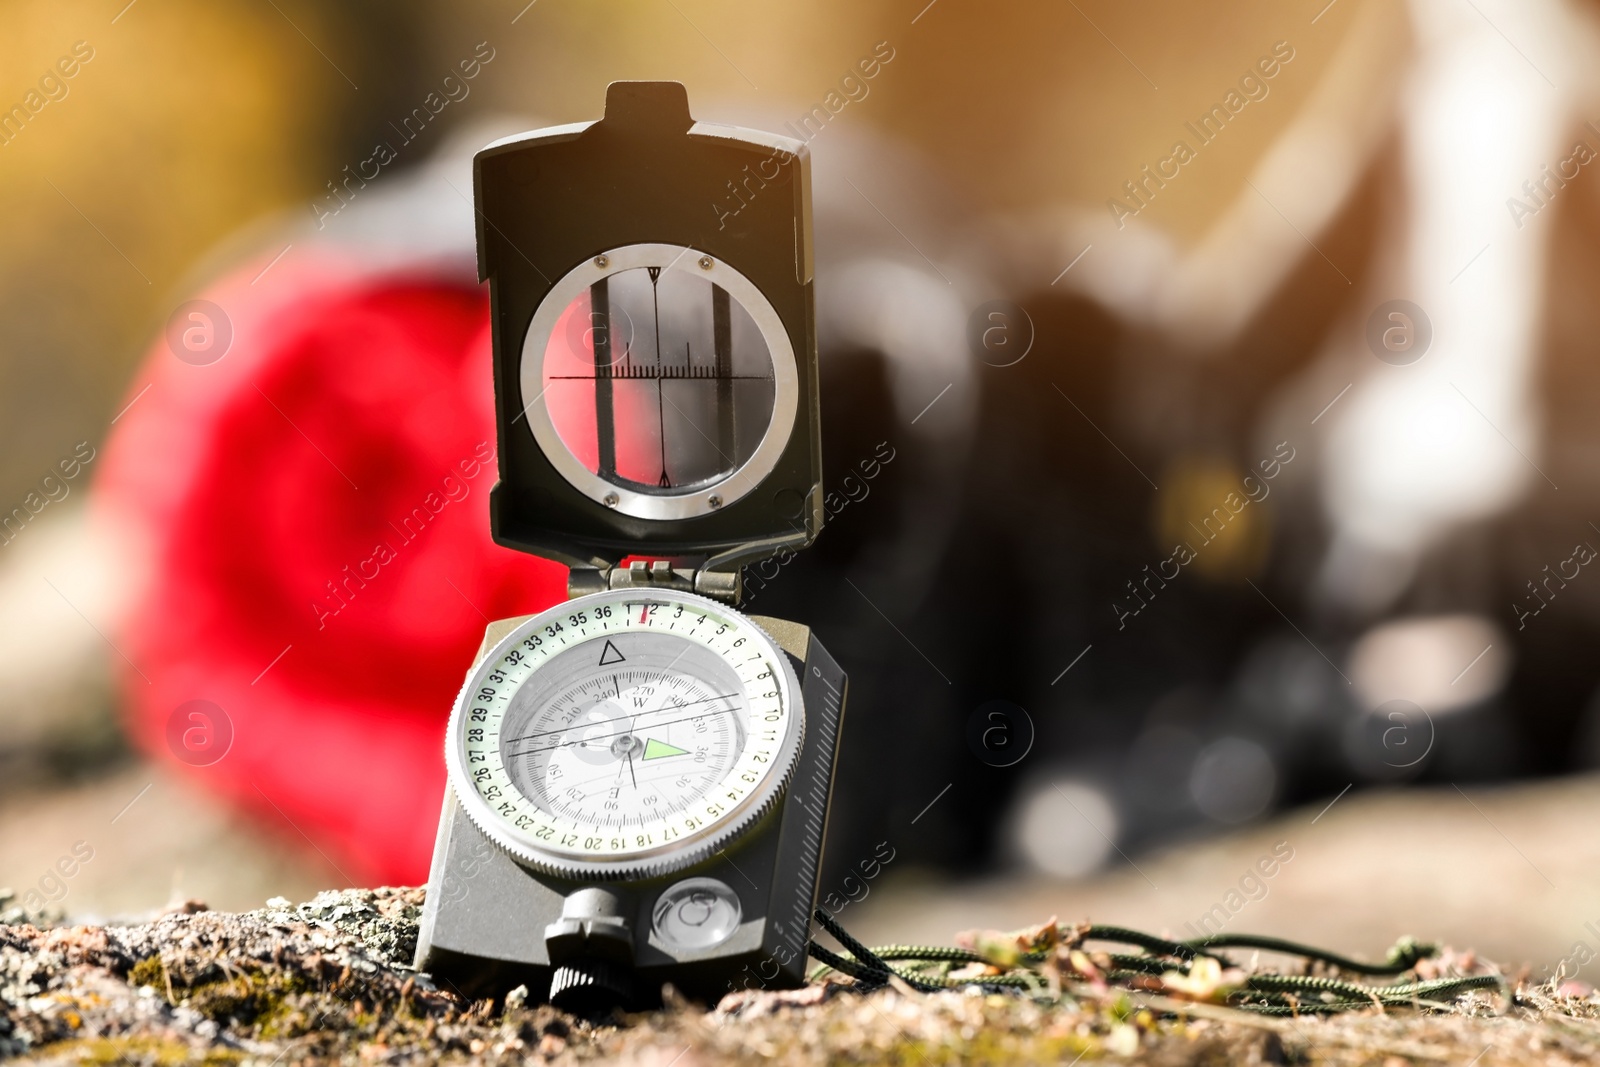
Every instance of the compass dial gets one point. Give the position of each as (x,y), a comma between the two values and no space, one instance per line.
(625,734)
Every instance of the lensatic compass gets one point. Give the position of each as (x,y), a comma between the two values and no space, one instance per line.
(639,777)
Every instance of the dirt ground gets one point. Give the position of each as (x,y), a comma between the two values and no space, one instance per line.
(1511,872)
(326,982)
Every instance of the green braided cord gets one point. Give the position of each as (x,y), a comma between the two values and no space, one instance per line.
(1308,983)
(865,959)
(1159,945)
(1439,987)
(1147,965)
(867,974)
(1263,994)
(844,965)
(1388,996)
(854,947)
(1023,980)
(1309,1008)
(930,953)
(1017,979)
(873,977)
(1122,935)
(1402,957)
(1402,992)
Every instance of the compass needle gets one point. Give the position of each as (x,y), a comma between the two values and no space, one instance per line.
(673,707)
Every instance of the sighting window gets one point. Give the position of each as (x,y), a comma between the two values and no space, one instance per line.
(659,381)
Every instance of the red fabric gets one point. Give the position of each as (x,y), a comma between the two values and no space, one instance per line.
(352,411)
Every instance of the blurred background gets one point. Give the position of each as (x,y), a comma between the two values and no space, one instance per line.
(1206,415)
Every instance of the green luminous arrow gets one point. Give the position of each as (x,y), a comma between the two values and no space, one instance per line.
(654,749)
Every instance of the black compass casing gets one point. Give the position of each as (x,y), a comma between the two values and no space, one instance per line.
(551,205)
(553,199)
(491,923)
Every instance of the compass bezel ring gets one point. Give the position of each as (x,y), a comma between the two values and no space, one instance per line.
(605,851)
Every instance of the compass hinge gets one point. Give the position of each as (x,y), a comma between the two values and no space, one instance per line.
(726,586)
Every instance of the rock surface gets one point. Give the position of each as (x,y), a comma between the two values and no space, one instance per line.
(329,981)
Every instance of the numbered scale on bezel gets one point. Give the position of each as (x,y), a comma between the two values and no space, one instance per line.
(623,735)
(639,778)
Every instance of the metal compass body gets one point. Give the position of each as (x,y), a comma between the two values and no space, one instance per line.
(625,734)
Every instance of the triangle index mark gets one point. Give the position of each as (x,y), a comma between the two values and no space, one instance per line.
(610,655)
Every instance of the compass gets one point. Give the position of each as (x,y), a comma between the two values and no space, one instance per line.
(639,778)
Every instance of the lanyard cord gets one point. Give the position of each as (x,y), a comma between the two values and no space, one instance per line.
(1266,994)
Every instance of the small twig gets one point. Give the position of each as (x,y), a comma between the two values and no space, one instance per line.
(166,976)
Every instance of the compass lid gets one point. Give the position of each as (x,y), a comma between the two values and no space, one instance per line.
(654,337)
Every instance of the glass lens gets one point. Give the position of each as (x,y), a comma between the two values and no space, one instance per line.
(658,381)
